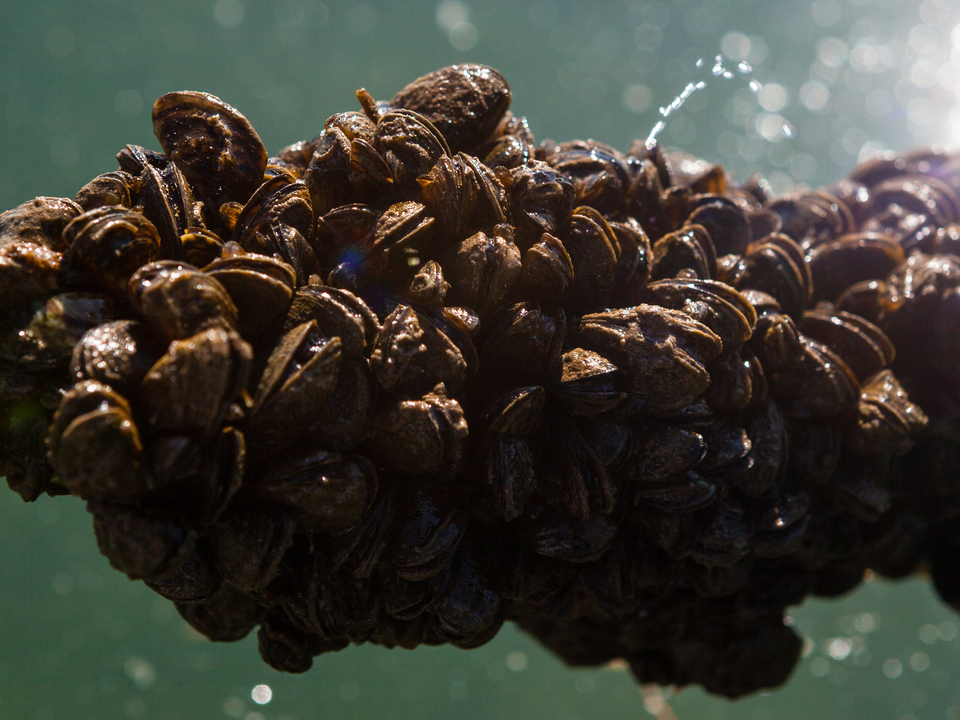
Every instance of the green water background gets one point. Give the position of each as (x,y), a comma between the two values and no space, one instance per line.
(78,640)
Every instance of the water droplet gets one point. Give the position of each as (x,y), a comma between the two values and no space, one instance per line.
(920,661)
(517,661)
(839,648)
(651,142)
(892,668)
(261,694)
(140,671)
(776,127)
(928,634)
(865,623)
(718,68)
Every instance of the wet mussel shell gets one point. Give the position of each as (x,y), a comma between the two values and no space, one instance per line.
(215,147)
(420,375)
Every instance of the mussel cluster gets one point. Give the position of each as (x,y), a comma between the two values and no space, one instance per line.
(421,375)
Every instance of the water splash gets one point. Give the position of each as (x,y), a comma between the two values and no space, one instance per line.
(680,99)
(718,70)
(677,103)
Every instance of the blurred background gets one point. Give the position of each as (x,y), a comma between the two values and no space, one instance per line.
(798,91)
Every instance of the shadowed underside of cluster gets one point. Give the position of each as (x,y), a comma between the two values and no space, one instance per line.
(422,375)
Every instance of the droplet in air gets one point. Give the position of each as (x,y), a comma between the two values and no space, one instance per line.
(744,67)
(718,68)
(892,668)
(699,62)
(787,129)
(261,694)
(755,86)
(517,661)
(651,142)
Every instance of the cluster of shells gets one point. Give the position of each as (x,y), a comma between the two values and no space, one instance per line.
(422,375)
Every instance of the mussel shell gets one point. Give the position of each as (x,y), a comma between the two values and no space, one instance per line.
(598,172)
(541,200)
(251,542)
(851,259)
(48,333)
(520,344)
(552,533)
(359,547)
(429,529)
(725,223)
(646,201)
(484,272)
(299,376)
(214,146)
(178,300)
(338,313)
(278,200)
(668,374)
(28,272)
(510,473)
(134,158)
(519,412)
(194,577)
(682,496)
(111,243)
(659,454)
(94,445)
(117,353)
(689,249)
(112,188)
(260,287)
(547,270)
(343,421)
(860,343)
(201,246)
(168,202)
(717,305)
(39,221)
(420,436)
(189,389)
(595,252)
(409,143)
(411,355)
(769,450)
(468,613)
(769,268)
(588,383)
(464,102)
(428,286)
(138,544)
(820,386)
(321,490)
(227,616)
